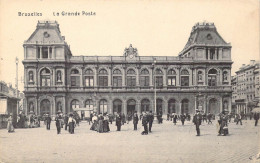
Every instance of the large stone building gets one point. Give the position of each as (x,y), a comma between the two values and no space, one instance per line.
(199,77)
(245,86)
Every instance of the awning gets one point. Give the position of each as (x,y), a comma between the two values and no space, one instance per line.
(3,106)
(82,109)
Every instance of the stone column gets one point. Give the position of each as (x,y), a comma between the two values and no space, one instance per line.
(195,77)
(124,77)
(138,105)
(220,54)
(206,77)
(137,76)
(165,77)
(64,110)
(110,77)
(178,77)
(54,106)
(215,57)
(25,53)
(195,103)
(124,107)
(205,104)
(53,52)
(96,77)
(151,73)
(81,77)
(40,52)
(221,104)
(179,111)
(37,110)
(49,53)
(54,76)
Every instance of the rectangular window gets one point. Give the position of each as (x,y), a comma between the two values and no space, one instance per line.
(212,81)
(131,81)
(144,81)
(172,81)
(89,81)
(46,81)
(103,81)
(45,52)
(75,81)
(117,81)
(159,81)
(184,81)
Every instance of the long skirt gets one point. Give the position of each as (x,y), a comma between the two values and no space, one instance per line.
(94,126)
(106,126)
(100,127)
(10,127)
(71,127)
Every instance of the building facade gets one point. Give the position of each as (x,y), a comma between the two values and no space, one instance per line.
(198,77)
(245,85)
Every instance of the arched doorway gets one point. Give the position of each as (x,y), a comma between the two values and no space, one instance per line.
(145,105)
(131,106)
(213,108)
(45,107)
(117,106)
(172,106)
(159,106)
(74,105)
(103,106)
(185,106)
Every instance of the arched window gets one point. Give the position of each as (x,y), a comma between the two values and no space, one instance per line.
(212,77)
(103,106)
(75,78)
(200,77)
(117,78)
(158,77)
(171,78)
(74,105)
(45,77)
(184,78)
(89,105)
(225,76)
(144,78)
(31,80)
(145,105)
(131,78)
(172,106)
(89,78)
(117,106)
(103,78)
(185,106)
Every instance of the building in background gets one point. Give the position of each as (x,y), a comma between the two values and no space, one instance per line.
(198,77)
(9,102)
(245,86)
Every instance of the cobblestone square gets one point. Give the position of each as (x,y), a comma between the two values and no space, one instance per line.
(166,143)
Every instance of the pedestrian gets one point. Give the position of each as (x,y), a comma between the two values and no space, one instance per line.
(100,127)
(111,117)
(256,117)
(144,123)
(204,117)
(174,117)
(223,120)
(66,119)
(168,116)
(118,121)
(150,117)
(90,118)
(48,122)
(135,120)
(197,121)
(123,119)
(183,117)
(239,119)
(10,127)
(72,123)
(209,117)
(129,117)
(106,123)
(58,123)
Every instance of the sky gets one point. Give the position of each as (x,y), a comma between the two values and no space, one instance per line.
(155,28)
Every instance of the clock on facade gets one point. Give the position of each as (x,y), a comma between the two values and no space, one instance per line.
(131,56)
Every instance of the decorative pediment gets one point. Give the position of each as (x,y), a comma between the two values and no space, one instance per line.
(130,52)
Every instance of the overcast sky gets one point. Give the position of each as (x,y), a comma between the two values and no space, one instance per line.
(154,28)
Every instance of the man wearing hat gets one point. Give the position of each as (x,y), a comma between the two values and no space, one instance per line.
(197,121)
(48,120)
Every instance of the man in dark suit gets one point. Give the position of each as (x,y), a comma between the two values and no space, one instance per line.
(256,117)
(197,121)
(144,123)
(58,123)
(135,120)
(118,121)
(183,117)
(48,120)
(150,120)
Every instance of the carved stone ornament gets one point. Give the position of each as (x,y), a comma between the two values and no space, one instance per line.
(131,52)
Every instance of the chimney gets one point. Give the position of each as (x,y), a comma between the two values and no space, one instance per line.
(252,62)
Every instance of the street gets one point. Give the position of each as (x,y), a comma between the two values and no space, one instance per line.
(166,143)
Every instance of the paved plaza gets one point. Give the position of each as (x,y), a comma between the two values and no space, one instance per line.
(167,143)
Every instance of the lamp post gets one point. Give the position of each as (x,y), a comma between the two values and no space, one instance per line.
(155,111)
(16,84)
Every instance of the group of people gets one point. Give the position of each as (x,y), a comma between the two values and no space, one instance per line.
(100,123)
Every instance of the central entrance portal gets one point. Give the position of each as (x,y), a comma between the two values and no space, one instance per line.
(131,107)
(45,107)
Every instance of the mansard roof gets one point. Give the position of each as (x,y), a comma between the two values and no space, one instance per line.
(205,34)
(46,32)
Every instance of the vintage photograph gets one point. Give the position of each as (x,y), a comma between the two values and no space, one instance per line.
(129,81)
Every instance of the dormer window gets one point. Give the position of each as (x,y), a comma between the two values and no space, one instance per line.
(209,37)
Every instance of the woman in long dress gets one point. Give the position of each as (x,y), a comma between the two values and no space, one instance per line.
(100,127)
(106,123)
(10,126)
(94,123)
(71,122)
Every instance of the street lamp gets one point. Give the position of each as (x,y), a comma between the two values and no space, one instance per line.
(155,111)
